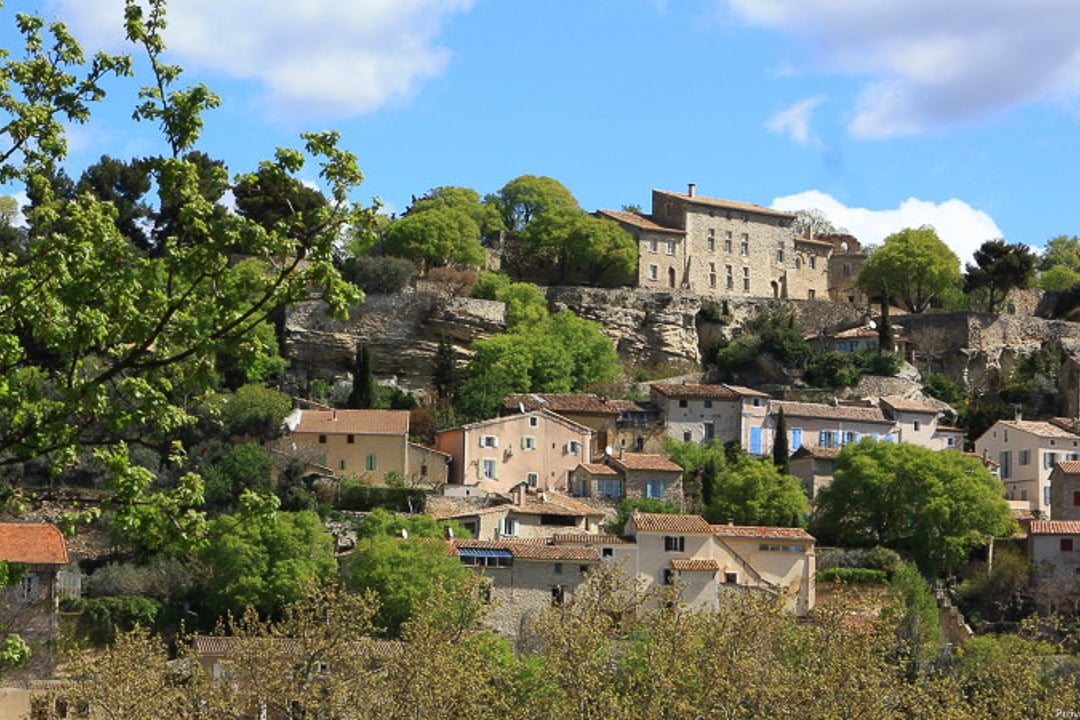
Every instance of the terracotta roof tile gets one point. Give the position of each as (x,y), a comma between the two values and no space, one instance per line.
(32,543)
(763,532)
(1071,467)
(658,522)
(644,461)
(1040,428)
(354,422)
(598,469)
(727,204)
(694,564)
(561,403)
(583,538)
(533,549)
(905,405)
(1055,527)
(695,391)
(644,222)
(746,391)
(814,451)
(831,412)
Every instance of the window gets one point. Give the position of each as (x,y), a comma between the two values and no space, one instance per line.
(609,488)
(1066,545)
(710,431)
(533,479)
(827,439)
(810,262)
(683,403)
(607,552)
(490,469)
(557,568)
(780,252)
(528,442)
(341,464)
(687,436)
(558,595)
(950,442)
(1076,497)
(668,576)
(573,446)
(371,462)
(810,294)
(798,263)
(916,425)
(744,245)
(851,437)
(674,543)
(350,439)
(846,269)
(654,489)
(727,242)
(1046,495)
(670,247)
(322,439)
(1049,459)
(534,421)
(746,279)
(730,275)
(712,274)
(731,578)
(712,240)
(652,245)
(423,470)
(1024,457)
(708,403)
(509,526)
(489,441)
(1005,463)
(653,272)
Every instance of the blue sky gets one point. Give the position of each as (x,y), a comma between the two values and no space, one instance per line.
(884,114)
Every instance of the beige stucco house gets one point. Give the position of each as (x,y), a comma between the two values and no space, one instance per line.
(540,448)
(527,515)
(1026,452)
(917,424)
(695,412)
(595,412)
(828,426)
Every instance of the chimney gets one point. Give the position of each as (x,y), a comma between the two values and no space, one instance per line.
(333,414)
(519,494)
(690,188)
(1018,413)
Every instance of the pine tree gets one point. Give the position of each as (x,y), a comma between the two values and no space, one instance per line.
(780,450)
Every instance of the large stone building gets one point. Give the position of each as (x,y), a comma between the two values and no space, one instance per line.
(725,248)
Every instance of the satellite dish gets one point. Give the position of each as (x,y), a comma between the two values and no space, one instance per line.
(607,450)
(872,325)
(521,407)
(404,534)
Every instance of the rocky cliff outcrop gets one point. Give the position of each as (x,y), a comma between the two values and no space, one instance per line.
(402,331)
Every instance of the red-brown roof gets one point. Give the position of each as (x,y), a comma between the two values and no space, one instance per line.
(727,204)
(905,405)
(1070,467)
(584,538)
(694,564)
(598,469)
(1055,527)
(643,222)
(762,532)
(746,391)
(644,461)
(814,451)
(539,549)
(354,422)
(32,544)
(1040,428)
(695,391)
(659,522)
(831,412)
(587,403)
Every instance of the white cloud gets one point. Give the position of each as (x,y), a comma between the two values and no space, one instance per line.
(313,58)
(960,226)
(930,63)
(795,121)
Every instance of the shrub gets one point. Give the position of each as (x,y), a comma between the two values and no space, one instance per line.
(103,617)
(940,387)
(379,275)
(356,496)
(256,411)
(456,283)
(862,576)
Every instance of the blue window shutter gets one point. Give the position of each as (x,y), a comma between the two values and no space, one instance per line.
(796,439)
(755,441)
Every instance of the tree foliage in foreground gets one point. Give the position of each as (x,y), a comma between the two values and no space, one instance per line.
(606,654)
(937,505)
(105,341)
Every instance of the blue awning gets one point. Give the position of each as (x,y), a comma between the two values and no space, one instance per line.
(484,553)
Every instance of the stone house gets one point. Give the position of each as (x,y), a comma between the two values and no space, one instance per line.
(528,516)
(640,427)
(1065,490)
(814,466)
(828,426)
(629,475)
(540,448)
(703,412)
(846,261)
(1026,452)
(1054,547)
(810,281)
(712,247)
(917,424)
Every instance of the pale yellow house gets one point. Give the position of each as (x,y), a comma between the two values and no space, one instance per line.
(540,448)
(1026,451)
(917,424)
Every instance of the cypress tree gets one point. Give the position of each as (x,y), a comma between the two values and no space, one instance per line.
(780,451)
(364,392)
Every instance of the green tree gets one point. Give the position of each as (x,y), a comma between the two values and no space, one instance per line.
(938,506)
(13,649)
(256,411)
(266,561)
(444,371)
(781,454)
(913,266)
(1058,277)
(1061,251)
(599,245)
(96,336)
(247,466)
(999,267)
(401,570)
(748,490)
(124,185)
(812,221)
(365,392)
(440,236)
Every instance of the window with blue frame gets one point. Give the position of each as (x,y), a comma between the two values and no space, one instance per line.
(654,489)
